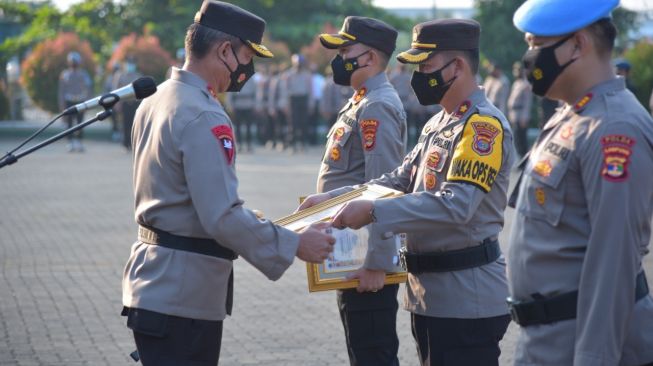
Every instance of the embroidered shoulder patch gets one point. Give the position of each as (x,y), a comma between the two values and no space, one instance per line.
(225,136)
(617,150)
(369,127)
(478,155)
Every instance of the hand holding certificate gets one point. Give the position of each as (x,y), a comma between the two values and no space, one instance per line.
(342,266)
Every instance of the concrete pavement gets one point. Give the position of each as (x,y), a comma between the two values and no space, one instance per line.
(66,226)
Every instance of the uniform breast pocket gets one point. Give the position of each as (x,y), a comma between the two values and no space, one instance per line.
(337,152)
(545,198)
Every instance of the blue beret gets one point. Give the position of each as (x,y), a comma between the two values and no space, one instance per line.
(559,17)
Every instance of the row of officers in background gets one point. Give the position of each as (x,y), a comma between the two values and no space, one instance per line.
(287,108)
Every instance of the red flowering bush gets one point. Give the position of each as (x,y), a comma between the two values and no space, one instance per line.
(151,59)
(41,69)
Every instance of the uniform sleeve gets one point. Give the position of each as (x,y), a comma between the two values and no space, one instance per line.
(617,171)
(477,166)
(206,145)
(382,134)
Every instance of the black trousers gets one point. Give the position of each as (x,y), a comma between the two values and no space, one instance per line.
(166,340)
(74,120)
(370,323)
(243,119)
(458,342)
(128,113)
(298,121)
(520,138)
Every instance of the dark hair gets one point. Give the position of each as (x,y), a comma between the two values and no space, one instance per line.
(604,33)
(200,39)
(472,57)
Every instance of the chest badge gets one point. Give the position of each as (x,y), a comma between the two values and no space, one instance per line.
(433,160)
(540,196)
(337,135)
(567,132)
(543,168)
(430,180)
(335,153)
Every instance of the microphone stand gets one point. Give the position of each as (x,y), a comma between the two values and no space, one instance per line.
(10,158)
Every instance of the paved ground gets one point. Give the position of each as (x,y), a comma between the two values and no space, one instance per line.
(66,227)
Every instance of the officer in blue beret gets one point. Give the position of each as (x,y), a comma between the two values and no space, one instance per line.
(584,201)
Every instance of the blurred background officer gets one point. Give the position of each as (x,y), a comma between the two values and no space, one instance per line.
(297,88)
(108,87)
(334,97)
(178,281)
(497,87)
(367,140)
(455,181)
(127,109)
(585,202)
(622,68)
(74,87)
(519,108)
(243,106)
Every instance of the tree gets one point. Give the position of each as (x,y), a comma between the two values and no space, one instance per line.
(641,71)
(501,42)
(41,70)
(150,58)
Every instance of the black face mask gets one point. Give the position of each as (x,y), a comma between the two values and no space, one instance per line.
(430,88)
(344,68)
(239,76)
(542,67)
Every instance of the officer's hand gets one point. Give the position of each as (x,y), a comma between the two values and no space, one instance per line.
(354,214)
(315,243)
(313,200)
(368,279)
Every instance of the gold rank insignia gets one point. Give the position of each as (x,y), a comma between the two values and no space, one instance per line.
(335,153)
(478,156)
(540,196)
(582,103)
(359,95)
(462,109)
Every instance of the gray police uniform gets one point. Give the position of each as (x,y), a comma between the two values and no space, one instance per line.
(457,201)
(185,184)
(367,140)
(583,224)
(74,87)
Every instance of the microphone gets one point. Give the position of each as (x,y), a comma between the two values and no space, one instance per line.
(140,88)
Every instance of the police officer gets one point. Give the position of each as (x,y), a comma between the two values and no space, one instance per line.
(177,284)
(455,181)
(74,87)
(585,201)
(367,140)
(519,108)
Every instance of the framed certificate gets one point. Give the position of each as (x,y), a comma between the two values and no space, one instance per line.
(351,245)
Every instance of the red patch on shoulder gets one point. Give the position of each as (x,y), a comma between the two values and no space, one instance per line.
(617,150)
(369,127)
(225,136)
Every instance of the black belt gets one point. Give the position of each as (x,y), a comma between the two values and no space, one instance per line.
(454,260)
(559,307)
(154,236)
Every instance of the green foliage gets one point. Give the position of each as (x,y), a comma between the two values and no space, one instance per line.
(40,71)
(150,58)
(641,72)
(501,42)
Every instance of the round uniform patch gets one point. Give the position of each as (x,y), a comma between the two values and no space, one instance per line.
(430,180)
(337,135)
(567,132)
(335,153)
(540,196)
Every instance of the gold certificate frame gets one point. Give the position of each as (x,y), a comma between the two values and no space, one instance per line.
(331,274)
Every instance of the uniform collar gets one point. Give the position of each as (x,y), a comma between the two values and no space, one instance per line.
(608,86)
(191,79)
(370,84)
